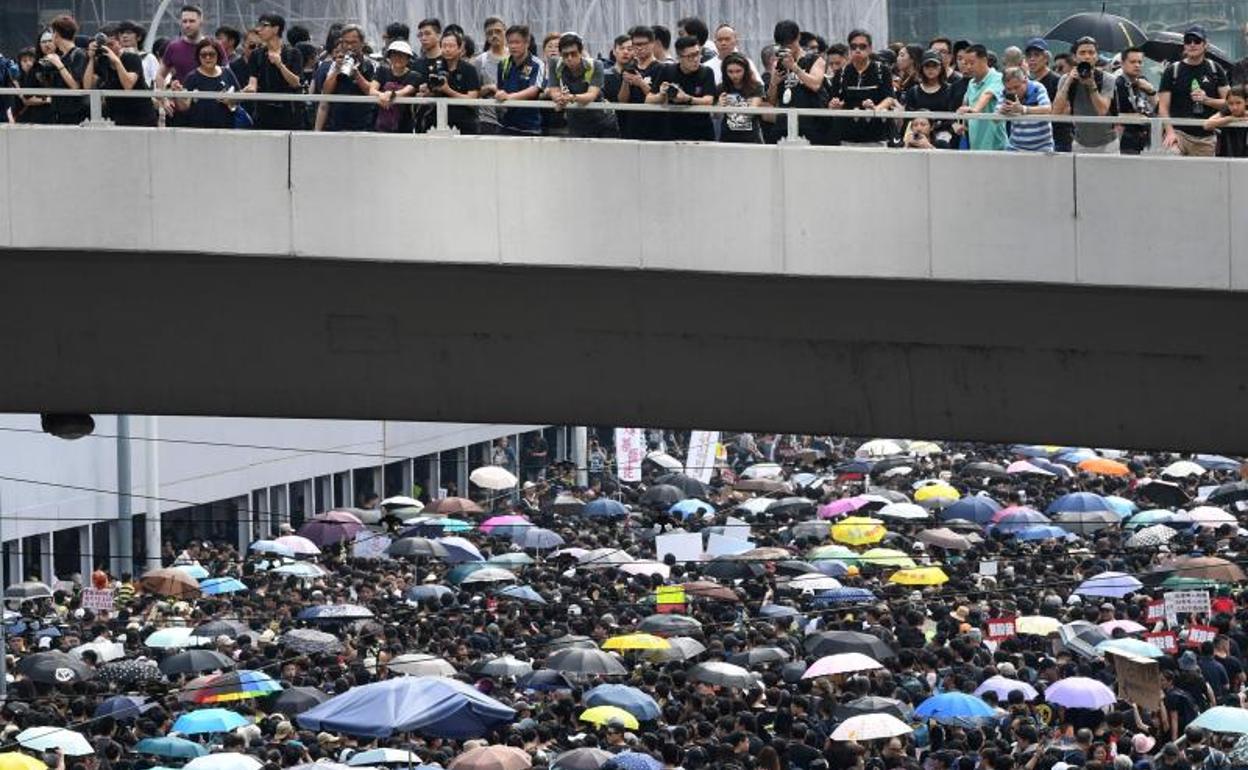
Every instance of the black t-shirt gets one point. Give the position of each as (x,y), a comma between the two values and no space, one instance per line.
(269,80)
(241,69)
(208,113)
(1177,79)
(348,117)
(1232,143)
(37,77)
(1130,100)
(397,118)
(645,125)
(463,79)
(70,110)
(700,82)
(737,127)
(125,111)
(874,84)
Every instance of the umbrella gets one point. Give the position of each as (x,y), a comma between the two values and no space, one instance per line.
(233,686)
(1186,583)
(872,704)
(543,680)
(943,537)
(1003,686)
(272,547)
(920,576)
(579,660)
(633,760)
(384,756)
(722,675)
(54,667)
(1131,647)
(426,591)
(858,530)
(195,570)
(1165,493)
(492,477)
(1025,468)
(1103,467)
(770,553)
(845,595)
(325,531)
(705,589)
(521,593)
(886,557)
(1151,537)
(647,567)
(682,648)
(52,738)
(504,666)
(296,700)
(662,496)
(225,760)
(760,656)
(1209,568)
(827,552)
(691,506)
(1011,520)
(130,673)
(727,568)
(457,550)
(15,760)
(791,506)
(334,613)
(492,758)
(636,642)
(1079,502)
(488,575)
(841,507)
(831,642)
(1166,46)
(123,708)
(870,727)
(766,486)
(984,470)
(538,538)
(841,663)
(975,508)
(29,591)
(606,508)
(904,511)
(1114,585)
(880,447)
(581,759)
(171,747)
(1228,493)
(1209,516)
(1086,523)
(1080,692)
(420,547)
(431,706)
(307,640)
(1042,532)
(214,628)
(175,638)
(630,699)
(420,664)
(303,569)
(601,715)
(571,640)
(604,558)
(1219,719)
(169,581)
(1082,637)
(211,720)
(812,582)
(763,471)
(685,483)
(954,708)
(489,524)
(819,530)
(299,544)
(103,651)
(221,585)
(670,625)
(1036,625)
(935,496)
(1127,626)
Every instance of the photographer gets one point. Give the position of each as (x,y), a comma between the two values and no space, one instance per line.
(111,69)
(638,80)
(1134,95)
(65,67)
(795,79)
(452,78)
(1088,91)
(688,83)
(350,73)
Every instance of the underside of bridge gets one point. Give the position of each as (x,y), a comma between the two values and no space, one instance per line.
(215,335)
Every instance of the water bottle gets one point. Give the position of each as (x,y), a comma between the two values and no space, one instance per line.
(1197,107)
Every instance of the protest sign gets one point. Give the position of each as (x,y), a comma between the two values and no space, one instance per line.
(683,546)
(1139,679)
(1000,628)
(96,599)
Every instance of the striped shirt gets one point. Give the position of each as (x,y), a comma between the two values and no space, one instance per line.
(1031,135)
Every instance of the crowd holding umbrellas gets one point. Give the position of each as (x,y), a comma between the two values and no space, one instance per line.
(888,603)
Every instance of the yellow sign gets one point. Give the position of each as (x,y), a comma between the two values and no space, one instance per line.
(669,595)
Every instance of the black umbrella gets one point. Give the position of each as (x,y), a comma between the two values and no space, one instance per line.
(1164,493)
(1229,493)
(1168,47)
(543,680)
(28,591)
(54,667)
(726,569)
(670,625)
(794,567)
(129,673)
(296,700)
(793,506)
(760,656)
(792,672)
(1112,33)
(568,641)
(662,496)
(833,642)
(984,470)
(306,640)
(421,547)
(195,662)
(685,483)
(579,660)
(892,495)
(722,675)
(215,628)
(872,704)
(893,463)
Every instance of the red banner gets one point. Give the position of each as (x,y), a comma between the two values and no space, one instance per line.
(1168,641)
(1156,611)
(1000,629)
(1198,635)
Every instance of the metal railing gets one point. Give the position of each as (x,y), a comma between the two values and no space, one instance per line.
(793,115)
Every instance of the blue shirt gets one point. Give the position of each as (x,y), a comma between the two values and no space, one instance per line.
(514,78)
(1031,135)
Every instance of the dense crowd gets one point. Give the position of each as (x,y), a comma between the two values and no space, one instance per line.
(646,65)
(854,623)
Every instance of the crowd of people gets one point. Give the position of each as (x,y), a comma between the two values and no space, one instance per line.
(853,621)
(694,66)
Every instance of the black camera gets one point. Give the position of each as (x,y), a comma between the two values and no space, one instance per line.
(437,77)
(1084,69)
(631,67)
(672,90)
(101,44)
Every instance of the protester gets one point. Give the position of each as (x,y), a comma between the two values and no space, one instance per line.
(112,69)
(577,80)
(274,68)
(689,83)
(740,88)
(1193,88)
(1134,95)
(520,78)
(396,80)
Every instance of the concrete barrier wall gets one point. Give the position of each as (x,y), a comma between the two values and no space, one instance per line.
(1149,222)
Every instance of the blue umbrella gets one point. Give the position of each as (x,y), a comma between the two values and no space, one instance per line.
(691,506)
(209,721)
(122,708)
(428,591)
(1223,719)
(459,550)
(606,508)
(1042,532)
(844,595)
(1149,518)
(272,547)
(170,747)
(431,706)
(521,593)
(633,760)
(1132,647)
(831,567)
(1075,456)
(1052,467)
(1216,463)
(1079,502)
(536,537)
(630,699)
(194,570)
(543,680)
(974,508)
(221,585)
(334,612)
(954,708)
(52,632)
(778,611)
(462,571)
(1121,506)
(1030,450)
(1019,520)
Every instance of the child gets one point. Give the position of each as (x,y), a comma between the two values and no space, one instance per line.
(1232,139)
(918,135)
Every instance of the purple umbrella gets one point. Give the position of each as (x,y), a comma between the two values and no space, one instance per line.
(332,528)
(1080,692)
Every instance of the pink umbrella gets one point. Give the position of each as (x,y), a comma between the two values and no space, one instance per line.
(1001,514)
(1025,468)
(339,517)
(1128,626)
(300,545)
(841,507)
(500,521)
(841,663)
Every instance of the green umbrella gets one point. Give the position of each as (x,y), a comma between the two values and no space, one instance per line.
(1176,581)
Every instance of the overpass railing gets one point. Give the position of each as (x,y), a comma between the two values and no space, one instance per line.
(793,115)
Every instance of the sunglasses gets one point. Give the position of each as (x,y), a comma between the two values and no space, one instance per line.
(859,47)
(1192,41)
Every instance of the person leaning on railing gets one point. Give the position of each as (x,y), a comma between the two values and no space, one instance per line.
(111,69)
(211,77)
(577,80)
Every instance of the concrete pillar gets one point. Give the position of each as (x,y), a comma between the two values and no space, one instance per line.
(17,567)
(434,482)
(47,568)
(461,470)
(86,552)
(261,502)
(409,476)
(152,534)
(580,454)
(244,525)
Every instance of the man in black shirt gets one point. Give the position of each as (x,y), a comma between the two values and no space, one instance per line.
(350,74)
(68,62)
(1038,55)
(1134,95)
(274,69)
(230,39)
(1195,87)
(796,80)
(613,76)
(453,78)
(111,69)
(639,80)
(864,85)
(687,83)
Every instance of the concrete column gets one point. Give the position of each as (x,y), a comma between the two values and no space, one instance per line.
(409,476)
(434,482)
(461,469)
(266,519)
(244,525)
(152,535)
(86,552)
(17,567)
(580,453)
(47,567)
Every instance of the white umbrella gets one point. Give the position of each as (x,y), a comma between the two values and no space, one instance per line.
(175,638)
(812,582)
(880,447)
(841,663)
(647,568)
(402,501)
(1003,686)
(763,471)
(1209,516)
(383,757)
(666,462)
(104,651)
(904,511)
(756,505)
(1183,469)
(226,760)
(870,727)
(493,477)
(418,664)
(924,448)
(53,738)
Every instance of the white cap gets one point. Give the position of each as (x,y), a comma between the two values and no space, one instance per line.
(399,46)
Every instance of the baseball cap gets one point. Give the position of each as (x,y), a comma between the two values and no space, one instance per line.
(400,46)
(932,56)
(1036,44)
(1196,30)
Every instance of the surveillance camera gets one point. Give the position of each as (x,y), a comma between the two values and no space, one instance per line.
(67,426)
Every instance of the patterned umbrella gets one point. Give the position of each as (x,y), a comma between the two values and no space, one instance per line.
(334,613)
(233,686)
(306,640)
(130,673)
(54,667)
(1151,537)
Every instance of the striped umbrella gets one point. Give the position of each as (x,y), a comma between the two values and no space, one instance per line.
(232,686)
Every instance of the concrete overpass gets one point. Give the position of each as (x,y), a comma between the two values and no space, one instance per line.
(1092,299)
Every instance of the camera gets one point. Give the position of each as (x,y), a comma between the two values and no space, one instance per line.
(631,67)
(101,44)
(348,66)
(437,78)
(1011,97)
(1084,69)
(672,91)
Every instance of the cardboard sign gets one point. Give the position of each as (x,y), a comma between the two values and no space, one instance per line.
(988,568)
(1198,635)
(722,545)
(97,599)
(700,459)
(1187,601)
(1139,679)
(1168,641)
(1156,611)
(1001,628)
(683,546)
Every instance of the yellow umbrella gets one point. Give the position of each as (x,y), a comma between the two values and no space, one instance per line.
(933,492)
(920,576)
(1037,625)
(858,530)
(600,715)
(13,760)
(887,557)
(636,642)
